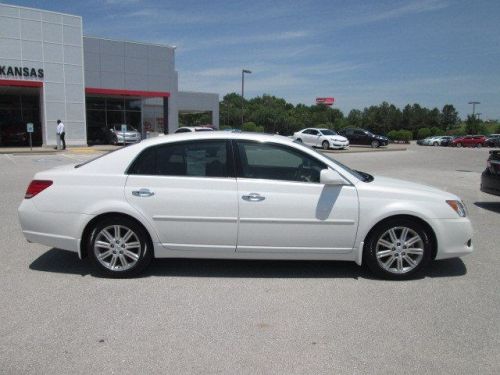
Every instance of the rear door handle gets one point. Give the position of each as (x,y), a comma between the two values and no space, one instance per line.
(253,197)
(142,193)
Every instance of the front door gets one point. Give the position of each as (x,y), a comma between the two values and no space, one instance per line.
(284,209)
(187,190)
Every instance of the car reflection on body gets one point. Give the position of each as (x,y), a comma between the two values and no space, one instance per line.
(239,196)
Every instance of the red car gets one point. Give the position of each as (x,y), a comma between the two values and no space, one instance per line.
(469,141)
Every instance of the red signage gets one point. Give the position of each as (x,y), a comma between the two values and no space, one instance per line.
(325,101)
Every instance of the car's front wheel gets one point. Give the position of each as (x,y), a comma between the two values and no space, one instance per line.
(325,145)
(375,144)
(398,249)
(119,247)
(298,140)
(459,144)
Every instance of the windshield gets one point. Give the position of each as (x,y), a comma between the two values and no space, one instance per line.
(365,177)
(328,132)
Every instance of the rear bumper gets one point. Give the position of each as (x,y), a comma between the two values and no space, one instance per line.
(490,183)
(454,237)
(54,229)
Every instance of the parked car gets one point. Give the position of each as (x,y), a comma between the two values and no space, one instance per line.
(446,141)
(490,178)
(239,196)
(492,141)
(438,140)
(358,136)
(120,137)
(325,138)
(422,142)
(188,129)
(469,141)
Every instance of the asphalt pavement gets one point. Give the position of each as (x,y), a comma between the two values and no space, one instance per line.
(254,317)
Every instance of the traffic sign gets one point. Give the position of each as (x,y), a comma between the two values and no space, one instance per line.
(29,127)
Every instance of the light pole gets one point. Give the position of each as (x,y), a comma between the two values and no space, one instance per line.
(243,91)
(474,108)
(479,115)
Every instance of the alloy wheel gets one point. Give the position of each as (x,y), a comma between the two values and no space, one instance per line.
(399,250)
(117,248)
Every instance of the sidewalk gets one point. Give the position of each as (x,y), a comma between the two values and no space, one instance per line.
(50,150)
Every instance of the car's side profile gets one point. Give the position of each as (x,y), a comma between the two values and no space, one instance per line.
(241,196)
(325,138)
(469,141)
(358,136)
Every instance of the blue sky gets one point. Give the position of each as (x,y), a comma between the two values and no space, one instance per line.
(430,52)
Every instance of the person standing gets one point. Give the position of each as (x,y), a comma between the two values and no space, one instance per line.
(61,134)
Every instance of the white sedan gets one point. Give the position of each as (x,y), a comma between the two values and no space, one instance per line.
(325,138)
(239,196)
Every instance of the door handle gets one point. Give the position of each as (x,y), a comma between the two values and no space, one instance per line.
(143,193)
(253,197)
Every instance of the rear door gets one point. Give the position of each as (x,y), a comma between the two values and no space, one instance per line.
(187,191)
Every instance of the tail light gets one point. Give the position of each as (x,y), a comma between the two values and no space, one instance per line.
(36,187)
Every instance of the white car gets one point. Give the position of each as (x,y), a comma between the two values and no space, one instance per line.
(190,129)
(239,196)
(325,138)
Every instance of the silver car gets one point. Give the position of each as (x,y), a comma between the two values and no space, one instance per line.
(129,136)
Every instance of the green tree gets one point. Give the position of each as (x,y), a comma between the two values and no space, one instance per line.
(473,125)
(449,117)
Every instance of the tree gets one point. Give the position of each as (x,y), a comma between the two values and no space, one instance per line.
(449,117)
(473,125)
(423,133)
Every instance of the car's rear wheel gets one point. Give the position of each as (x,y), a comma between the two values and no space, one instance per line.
(119,247)
(459,144)
(479,145)
(299,140)
(325,145)
(375,144)
(398,249)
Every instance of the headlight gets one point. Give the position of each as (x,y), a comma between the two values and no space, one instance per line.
(458,207)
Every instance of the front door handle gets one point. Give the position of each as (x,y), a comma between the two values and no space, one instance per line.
(253,197)
(143,193)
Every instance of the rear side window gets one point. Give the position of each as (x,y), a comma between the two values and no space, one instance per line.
(195,159)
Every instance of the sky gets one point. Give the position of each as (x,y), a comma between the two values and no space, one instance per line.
(431,52)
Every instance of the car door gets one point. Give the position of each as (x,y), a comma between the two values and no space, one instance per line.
(187,191)
(283,208)
(314,136)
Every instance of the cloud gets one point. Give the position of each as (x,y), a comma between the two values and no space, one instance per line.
(411,8)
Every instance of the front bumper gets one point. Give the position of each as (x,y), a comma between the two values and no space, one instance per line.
(490,183)
(454,237)
(339,145)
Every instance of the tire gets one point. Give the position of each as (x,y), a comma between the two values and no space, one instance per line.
(375,144)
(479,145)
(436,144)
(119,261)
(459,145)
(388,260)
(325,145)
(299,140)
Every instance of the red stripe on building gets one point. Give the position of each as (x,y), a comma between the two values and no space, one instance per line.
(144,94)
(20,83)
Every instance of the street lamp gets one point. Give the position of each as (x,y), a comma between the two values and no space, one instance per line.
(243,91)
(474,108)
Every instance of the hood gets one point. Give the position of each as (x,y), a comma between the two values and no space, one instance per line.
(337,138)
(402,187)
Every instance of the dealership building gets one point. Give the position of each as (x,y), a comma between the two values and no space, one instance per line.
(50,71)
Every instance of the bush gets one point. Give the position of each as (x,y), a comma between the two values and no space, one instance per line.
(436,131)
(400,135)
(249,127)
(224,127)
(423,133)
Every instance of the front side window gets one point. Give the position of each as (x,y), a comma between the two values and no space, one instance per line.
(277,162)
(194,159)
(328,132)
(359,132)
(314,132)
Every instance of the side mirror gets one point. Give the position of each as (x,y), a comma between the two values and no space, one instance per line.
(331,177)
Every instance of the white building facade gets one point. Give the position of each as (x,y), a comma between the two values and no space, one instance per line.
(50,71)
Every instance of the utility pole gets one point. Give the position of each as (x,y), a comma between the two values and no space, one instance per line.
(474,108)
(243,91)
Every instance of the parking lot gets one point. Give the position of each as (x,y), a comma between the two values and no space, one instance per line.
(255,317)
